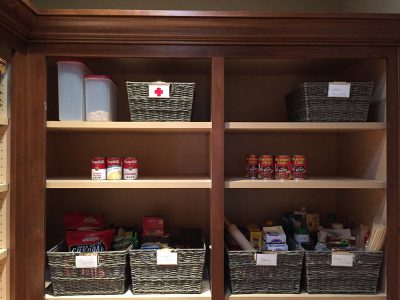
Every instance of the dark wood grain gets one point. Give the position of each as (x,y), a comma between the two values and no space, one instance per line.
(217,177)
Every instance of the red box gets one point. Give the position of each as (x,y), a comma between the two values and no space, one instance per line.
(153,223)
(153,231)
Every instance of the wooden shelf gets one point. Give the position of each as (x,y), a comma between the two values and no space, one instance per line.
(317,183)
(146,183)
(3,188)
(303,126)
(305,296)
(129,126)
(3,253)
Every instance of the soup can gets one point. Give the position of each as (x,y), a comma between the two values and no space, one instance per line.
(251,165)
(99,168)
(130,168)
(299,169)
(114,168)
(283,167)
(266,167)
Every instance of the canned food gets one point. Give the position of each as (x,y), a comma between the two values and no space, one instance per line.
(114,168)
(130,166)
(251,166)
(283,167)
(299,170)
(99,168)
(266,167)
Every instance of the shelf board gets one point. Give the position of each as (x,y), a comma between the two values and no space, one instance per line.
(305,296)
(194,127)
(318,183)
(145,183)
(3,121)
(3,188)
(3,253)
(303,126)
(205,294)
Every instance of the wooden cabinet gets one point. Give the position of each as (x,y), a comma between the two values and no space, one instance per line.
(193,173)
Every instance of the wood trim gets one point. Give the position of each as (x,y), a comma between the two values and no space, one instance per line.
(35,174)
(393,167)
(217,178)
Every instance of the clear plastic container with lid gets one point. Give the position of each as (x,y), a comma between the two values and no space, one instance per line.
(101,98)
(71,95)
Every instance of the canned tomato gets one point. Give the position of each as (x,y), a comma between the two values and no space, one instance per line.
(114,168)
(299,170)
(283,167)
(99,168)
(251,166)
(130,166)
(266,167)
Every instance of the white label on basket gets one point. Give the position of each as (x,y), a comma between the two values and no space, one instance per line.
(86,261)
(159,90)
(339,89)
(167,257)
(267,259)
(342,259)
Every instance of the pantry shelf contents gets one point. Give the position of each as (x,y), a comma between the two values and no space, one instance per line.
(304,126)
(3,121)
(305,296)
(142,183)
(3,188)
(314,182)
(129,126)
(3,254)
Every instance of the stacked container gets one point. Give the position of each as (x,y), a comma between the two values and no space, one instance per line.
(101,97)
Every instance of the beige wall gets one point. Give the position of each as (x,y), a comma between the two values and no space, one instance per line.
(382,6)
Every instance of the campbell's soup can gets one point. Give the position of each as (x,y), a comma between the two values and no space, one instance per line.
(130,168)
(251,166)
(283,167)
(266,167)
(99,168)
(114,168)
(299,168)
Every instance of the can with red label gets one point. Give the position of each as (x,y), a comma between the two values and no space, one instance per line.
(130,166)
(283,167)
(251,166)
(114,168)
(266,167)
(299,169)
(99,168)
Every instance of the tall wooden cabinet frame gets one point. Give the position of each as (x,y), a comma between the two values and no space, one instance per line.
(39,36)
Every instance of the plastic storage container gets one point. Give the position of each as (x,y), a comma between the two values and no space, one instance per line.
(101,98)
(71,96)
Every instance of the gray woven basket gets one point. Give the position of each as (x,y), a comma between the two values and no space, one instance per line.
(176,108)
(248,278)
(310,103)
(108,278)
(184,278)
(362,278)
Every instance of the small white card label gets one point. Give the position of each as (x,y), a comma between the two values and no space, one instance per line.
(339,89)
(159,90)
(267,259)
(342,259)
(86,261)
(166,257)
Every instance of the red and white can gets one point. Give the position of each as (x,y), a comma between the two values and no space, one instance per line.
(99,168)
(283,167)
(130,167)
(299,168)
(251,165)
(114,168)
(266,167)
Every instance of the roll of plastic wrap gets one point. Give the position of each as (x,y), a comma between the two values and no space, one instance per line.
(238,236)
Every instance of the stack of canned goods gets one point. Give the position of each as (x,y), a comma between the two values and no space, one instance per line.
(283,167)
(114,168)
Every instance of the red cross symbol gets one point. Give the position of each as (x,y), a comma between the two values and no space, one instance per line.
(158,92)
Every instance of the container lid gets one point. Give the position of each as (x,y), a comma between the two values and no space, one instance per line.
(91,76)
(71,61)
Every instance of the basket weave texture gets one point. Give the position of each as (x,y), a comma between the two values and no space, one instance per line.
(362,278)
(248,278)
(176,108)
(310,103)
(184,278)
(108,278)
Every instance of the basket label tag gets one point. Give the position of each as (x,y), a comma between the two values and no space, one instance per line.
(267,259)
(86,260)
(167,257)
(342,259)
(339,89)
(159,90)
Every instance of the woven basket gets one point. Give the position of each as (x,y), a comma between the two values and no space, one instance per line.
(310,103)
(176,108)
(248,278)
(108,278)
(362,278)
(184,278)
